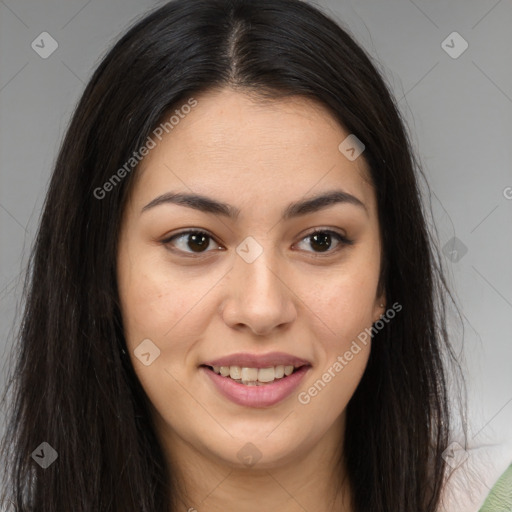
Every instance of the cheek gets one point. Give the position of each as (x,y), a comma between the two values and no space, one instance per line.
(144,299)
(329,393)
(158,307)
(346,306)
(153,300)
(346,303)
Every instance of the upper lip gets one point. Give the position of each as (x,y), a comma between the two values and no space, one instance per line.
(258,360)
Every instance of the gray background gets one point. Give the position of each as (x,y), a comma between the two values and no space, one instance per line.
(459,112)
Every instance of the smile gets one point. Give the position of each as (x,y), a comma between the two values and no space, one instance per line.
(254,393)
(254,376)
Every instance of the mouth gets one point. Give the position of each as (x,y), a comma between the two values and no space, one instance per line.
(252,376)
(256,380)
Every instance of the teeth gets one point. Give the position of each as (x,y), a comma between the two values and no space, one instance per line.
(246,374)
(266,374)
(235,372)
(254,376)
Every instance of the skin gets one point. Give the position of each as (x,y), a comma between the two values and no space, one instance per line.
(294,298)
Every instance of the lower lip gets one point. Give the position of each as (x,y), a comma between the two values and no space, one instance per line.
(257,396)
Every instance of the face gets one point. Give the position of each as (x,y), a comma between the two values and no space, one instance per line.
(207,288)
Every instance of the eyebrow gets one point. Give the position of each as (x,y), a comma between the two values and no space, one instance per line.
(208,205)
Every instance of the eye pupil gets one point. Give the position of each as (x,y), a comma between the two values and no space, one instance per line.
(200,239)
(322,240)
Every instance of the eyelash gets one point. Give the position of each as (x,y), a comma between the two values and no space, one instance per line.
(343,241)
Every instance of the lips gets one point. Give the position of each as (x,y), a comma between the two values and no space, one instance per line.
(258,360)
(256,394)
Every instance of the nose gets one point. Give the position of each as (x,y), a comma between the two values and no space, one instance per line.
(258,297)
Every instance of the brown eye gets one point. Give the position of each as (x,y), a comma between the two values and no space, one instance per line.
(190,241)
(321,241)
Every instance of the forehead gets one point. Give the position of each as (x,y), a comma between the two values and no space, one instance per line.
(237,144)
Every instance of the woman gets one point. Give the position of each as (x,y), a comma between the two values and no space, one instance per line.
(298,366)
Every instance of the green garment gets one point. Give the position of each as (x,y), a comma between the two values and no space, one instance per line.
(500,497)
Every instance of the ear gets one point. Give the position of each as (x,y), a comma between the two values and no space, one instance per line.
(379,306)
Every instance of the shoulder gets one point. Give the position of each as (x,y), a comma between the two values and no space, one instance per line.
(500,497)
(479,479)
